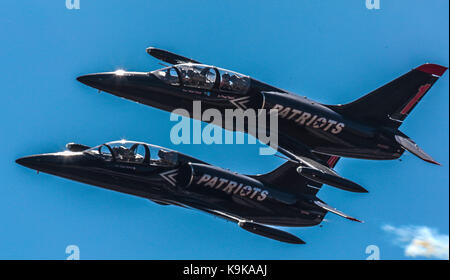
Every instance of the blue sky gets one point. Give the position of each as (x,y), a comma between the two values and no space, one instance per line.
(331,51)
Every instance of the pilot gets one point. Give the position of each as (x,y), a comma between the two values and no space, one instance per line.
(123,153)
(235,82)
(200,79)
(190,74)
(209,76)
(225,82)
(191,78)
(196,78)
(238,83)
(168,158)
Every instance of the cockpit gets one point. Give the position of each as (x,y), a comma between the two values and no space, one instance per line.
(134,152)
(204,77)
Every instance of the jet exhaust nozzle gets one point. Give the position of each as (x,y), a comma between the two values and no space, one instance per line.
(332,180)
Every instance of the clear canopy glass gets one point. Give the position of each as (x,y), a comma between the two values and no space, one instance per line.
(168,75)
(233,82)
(197,75)
(134,152)
(204,77)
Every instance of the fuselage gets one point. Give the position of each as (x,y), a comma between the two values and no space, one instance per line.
(182,181)
(304,125)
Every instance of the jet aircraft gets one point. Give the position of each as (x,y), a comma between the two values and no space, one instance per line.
(255,202)
(309,133)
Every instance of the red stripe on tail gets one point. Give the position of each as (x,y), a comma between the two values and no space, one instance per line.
(422,90)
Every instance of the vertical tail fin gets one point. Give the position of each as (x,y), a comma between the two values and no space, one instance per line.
(390,104)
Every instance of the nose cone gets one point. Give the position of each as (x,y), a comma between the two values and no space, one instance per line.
(137,86)
(101,81)
(39,162)
(27,161)
(120,83)
(49,162)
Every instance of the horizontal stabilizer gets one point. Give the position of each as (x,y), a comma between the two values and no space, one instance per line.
(320,173)
(270,232)
(412,147)
(335,211)
(333,180)
(169,57)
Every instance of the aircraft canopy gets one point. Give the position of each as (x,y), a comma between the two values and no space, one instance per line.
(204,77)
(134,152)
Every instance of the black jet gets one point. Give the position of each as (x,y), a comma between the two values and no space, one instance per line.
(308,132)
(255,202)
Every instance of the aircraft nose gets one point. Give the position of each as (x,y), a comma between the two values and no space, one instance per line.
(25,161)
(98,81)
(38,162)
(49,162)
(130,85)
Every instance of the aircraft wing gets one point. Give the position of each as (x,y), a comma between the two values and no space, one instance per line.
(260,229)
(318,172)
(252,227)
(169,57)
